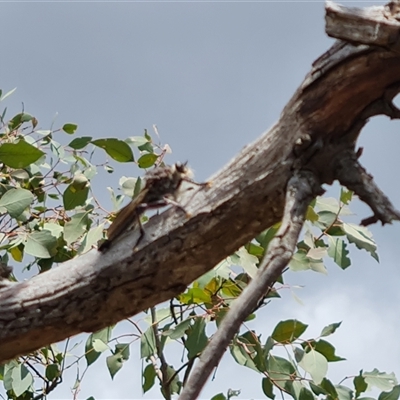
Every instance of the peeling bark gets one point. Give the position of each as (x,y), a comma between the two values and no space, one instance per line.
(354,80)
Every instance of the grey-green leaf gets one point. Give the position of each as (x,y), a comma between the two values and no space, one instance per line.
(75,227)
(315,364)
(15,201)
(361,237)
(338,251)
(331,328)
(147,343)
(41,244)
(196,338)
(22,379)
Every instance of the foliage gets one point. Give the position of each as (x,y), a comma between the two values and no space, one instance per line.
(50,214)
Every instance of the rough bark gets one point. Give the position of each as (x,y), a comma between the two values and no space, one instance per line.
(319,126)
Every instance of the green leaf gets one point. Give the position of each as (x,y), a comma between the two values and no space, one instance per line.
(331,328)
(288,331)
(366,398)
(325,348)
(267,388)
(306,394)
(247,261)
(75,227)
(22,379)
(338,251)
(114,363)
(18,120)
(180,329)
(123,349)
(315,364)
(20,154)
(282,371)
(345,195)
(147,160)
(381,380)
(269,344)
(219,396)
(137,140)
(298,354)
(196,338)
(242,356)
(329,204)
(55,229)
(344,393)
(41,244)
(92,237)
(74,197)
(316,253)
(254,249)
(265,237)
(311,215)
(175,384)
(70,128)
(392,395)
(255,350)
(15,201)
(362,238)
(99,346)
(91,354)
(325,219)
(359,384)
(80,143)
(300,262)
(318,390)
(52,372)
(147,343)
(195,296)
(116,149)
(149,376)
(327,385)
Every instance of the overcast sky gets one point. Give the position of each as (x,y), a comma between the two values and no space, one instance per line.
(213,76)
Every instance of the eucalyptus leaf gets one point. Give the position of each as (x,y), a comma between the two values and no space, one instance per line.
(116,149)
(20,154)
(15,201)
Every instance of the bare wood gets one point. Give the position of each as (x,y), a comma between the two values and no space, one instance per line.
(322,120)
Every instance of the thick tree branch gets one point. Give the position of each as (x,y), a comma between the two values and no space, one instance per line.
(323,118)
(301,189)
(352,175)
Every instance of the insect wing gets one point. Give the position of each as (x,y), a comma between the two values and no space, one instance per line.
(126,217)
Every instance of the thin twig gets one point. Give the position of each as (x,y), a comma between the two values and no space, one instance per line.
(160,354)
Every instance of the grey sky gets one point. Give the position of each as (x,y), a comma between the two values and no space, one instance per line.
(213,77)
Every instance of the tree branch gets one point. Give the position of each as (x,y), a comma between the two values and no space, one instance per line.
(97,290)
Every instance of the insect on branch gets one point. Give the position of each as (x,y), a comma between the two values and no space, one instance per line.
(161,189)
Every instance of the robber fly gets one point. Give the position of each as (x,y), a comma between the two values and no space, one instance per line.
(161,189)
